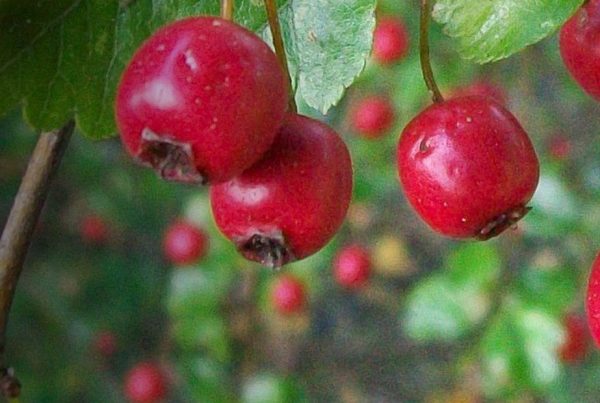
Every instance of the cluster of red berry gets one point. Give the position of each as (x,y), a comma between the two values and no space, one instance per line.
(204,101)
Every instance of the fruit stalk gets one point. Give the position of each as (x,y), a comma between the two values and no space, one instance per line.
(227,9)
(19,228)
(436,95)
(275,28)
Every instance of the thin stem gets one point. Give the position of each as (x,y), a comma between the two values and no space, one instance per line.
(436,95)
(275,28)
(227,9)
(19,228)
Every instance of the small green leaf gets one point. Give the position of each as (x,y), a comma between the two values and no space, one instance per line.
(328,44)
(494,29)
(552,290)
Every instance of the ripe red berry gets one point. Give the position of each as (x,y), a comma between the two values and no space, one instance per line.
(288,295)
(580,49)
(390,40)
(574,348)
(201,100)
(559,148)
(352,266)
(105,343)
(184,243)
(482,88)
(145,383)
(593,301)
(467,167)
(290,204)
(372,116)
(93,229)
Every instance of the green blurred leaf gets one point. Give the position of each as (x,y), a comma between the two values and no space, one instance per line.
(552,290)
(206,380)
(474,263)
(270,388)
(64,58)
(328,45)
(494,29)
(208,332)
(519,351)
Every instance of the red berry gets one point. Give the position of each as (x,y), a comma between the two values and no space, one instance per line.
(593,301)
(201,100)
(467,167)
(106,343)
(184,243)
(372,116)
(559,148)
(288,295)
(390,40)
(580,47)
(290,204)
(145,383)
(352,266)
(482,88)
(574,349)
(93,229)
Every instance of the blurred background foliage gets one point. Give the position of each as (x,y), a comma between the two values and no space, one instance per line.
(439,321)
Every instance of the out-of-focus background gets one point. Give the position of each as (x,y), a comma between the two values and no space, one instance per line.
(438,320)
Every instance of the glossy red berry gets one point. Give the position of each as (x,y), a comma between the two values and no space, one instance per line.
(574,349)
(352,266)
(593,301)
(467,167)
(93,229)
(105,343)
(145,383)
(482,88)
(390,40)
(288,295)
(372,116)
(290,204)
(184,243)
(580,47)
(201,100)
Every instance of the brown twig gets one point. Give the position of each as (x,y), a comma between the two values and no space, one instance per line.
(227,9)
(436,95)
(275,28)
(19,228)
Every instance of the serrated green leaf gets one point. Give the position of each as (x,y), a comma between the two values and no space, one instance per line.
(328,44)
(63,58)
(494,29)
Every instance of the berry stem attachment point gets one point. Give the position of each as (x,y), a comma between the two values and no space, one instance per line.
(436,95)
(19,229)
(275,28)
(227,9)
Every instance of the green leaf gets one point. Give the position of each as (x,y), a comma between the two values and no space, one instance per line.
(437,309)
(328,44)
(519,351)
(474,263)
(494,29)
(552,290)
(63,58)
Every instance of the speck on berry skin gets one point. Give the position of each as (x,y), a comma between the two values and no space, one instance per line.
(201,100)
(467,167)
